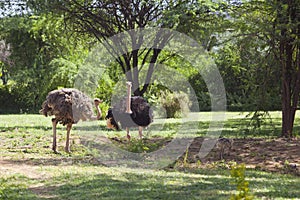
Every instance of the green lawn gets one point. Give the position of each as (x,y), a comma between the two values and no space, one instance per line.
(29,169)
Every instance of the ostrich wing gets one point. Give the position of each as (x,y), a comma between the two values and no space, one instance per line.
(68,105)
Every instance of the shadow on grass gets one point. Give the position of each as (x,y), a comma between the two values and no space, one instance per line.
(61,161)
(25,127)
(238,127)
(46,128)
(262,184)
(121,183)
(207,184)
(136,186)
(274,186)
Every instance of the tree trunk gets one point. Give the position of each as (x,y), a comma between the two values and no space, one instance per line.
(288,90)
(289,58)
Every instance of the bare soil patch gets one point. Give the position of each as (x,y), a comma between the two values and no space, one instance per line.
(273,155)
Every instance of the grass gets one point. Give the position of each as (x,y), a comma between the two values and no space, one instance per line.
(97,182)
(29,169)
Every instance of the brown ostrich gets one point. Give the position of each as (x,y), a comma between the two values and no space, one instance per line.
(130,112)
(68,105)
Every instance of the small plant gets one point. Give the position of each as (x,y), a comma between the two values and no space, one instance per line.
(199,163)
(138,146)
(221,164)
(238,174)
(144,145)
(185,158)
(290,167)
(2,189)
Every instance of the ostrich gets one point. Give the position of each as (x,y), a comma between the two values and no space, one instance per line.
(68,105)
(130,112)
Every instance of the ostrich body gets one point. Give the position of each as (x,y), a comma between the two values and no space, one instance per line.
(68,106)
(130,112)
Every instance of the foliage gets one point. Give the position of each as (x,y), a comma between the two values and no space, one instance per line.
(201,20)
(274,26)
(11,190)
(248,74)
(175,104)
(238,174)
(253,43)
(5,62)
(109,18)
(64,72)
(105,88)
(145,145)
(104,106)
(199,86)
(258,120)
(45,56)
(13,99)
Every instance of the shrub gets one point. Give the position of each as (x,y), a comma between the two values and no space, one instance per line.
(104,106)
(238,173)
(175,104)
(10,98)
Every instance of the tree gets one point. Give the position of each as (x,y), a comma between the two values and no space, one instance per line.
(106,18)
(287,38)
(277,25)
(45,56)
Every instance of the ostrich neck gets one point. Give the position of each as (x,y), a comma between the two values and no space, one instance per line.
(99,114)
(128,99)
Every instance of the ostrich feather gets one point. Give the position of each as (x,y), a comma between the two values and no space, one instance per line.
(68,105)
(142,114)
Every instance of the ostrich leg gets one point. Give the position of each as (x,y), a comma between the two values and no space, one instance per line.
(54,123)
(67,147)
(128,134)
(141,132)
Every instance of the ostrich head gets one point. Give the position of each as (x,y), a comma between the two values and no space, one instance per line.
(110,121)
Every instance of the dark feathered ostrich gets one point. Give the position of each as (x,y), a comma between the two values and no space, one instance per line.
(68,105)
(130,112)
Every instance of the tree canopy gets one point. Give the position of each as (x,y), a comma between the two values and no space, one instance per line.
(255,45)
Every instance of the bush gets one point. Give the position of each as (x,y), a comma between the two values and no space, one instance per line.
(104,106)
(18,98)
(175,104)
(10,99)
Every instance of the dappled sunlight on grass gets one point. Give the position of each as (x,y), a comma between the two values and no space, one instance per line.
(94,182)
(29,169)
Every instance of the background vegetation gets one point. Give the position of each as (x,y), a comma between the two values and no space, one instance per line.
(47,48)
(255,45)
